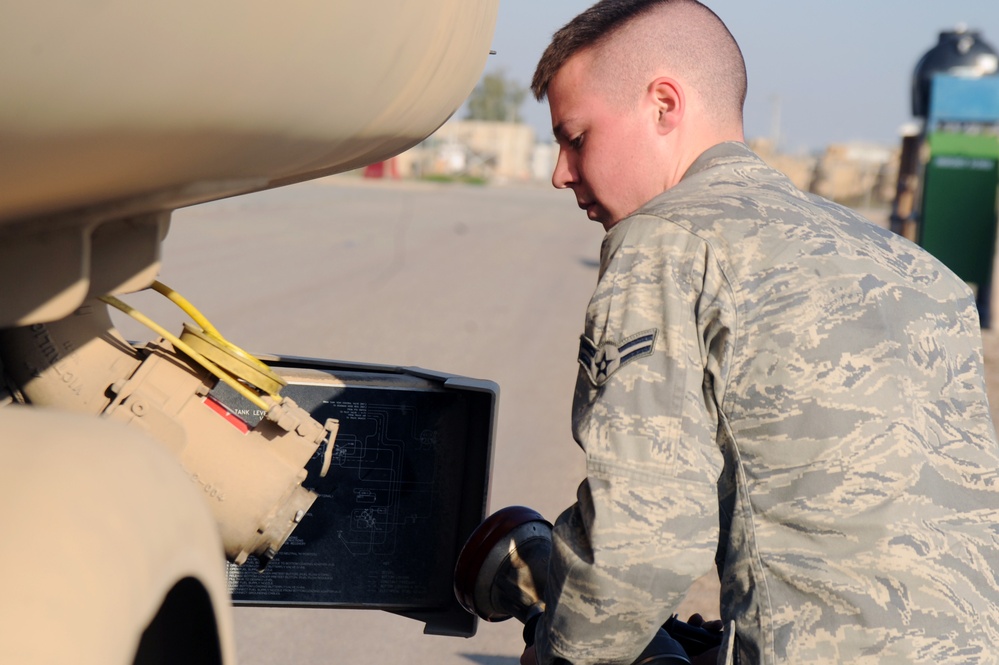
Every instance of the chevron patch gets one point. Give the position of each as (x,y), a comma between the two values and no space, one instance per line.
(600,362)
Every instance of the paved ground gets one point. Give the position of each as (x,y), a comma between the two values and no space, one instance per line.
(485,282)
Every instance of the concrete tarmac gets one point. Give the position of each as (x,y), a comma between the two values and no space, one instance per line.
(487,282)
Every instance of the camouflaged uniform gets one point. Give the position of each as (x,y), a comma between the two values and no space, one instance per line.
(761,359)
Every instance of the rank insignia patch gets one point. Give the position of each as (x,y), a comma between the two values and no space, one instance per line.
(602,361)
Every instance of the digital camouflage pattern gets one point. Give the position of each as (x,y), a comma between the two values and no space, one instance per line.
(814,386)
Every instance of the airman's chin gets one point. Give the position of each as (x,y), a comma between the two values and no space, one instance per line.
(595,213)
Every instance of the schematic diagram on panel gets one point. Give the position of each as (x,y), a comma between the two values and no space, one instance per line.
(385,466)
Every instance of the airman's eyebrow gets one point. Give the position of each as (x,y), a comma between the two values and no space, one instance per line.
(560,133)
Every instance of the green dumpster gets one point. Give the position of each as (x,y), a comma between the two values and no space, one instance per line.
(959,211)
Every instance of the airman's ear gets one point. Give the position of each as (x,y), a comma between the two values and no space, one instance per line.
(669,102)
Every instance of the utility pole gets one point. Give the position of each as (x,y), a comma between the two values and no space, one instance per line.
(775,121)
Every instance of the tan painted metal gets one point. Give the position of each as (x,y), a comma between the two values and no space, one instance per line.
(72,258)
(70,363)
(251,478)
(163,104)
(101,523)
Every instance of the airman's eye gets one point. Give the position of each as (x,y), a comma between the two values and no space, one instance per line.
(577,142)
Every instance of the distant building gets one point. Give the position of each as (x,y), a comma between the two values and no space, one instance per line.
(543,160)
(857,174)
(799,168)
(494,151)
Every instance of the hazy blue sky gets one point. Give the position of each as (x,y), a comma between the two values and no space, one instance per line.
(841,70)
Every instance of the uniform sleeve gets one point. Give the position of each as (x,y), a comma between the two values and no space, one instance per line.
(645,523)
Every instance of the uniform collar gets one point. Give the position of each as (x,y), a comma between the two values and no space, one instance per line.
(722,153)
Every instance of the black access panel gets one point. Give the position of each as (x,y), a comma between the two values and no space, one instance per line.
(406,485)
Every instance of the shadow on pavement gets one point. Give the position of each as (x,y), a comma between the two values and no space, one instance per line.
(483,659)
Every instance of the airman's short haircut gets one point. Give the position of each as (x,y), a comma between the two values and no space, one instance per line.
(637,38)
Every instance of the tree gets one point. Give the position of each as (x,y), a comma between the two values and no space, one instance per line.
(496,97)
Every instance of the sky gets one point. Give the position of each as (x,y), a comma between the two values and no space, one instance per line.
(819,72)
